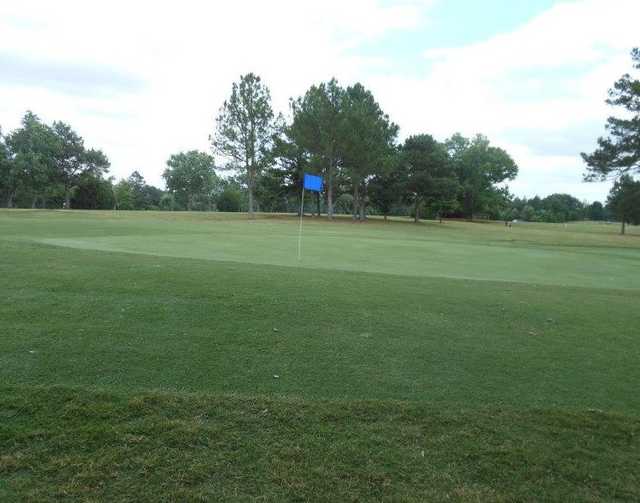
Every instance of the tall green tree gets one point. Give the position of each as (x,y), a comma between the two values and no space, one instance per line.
(596,211)
(191,177)
(292,159)
(367,142)
(317,129)
(272,190)
(479,167)
(136,187)
(619,152)
(429,176)
(33,147)
(93,193)
(562,208)
(123,195)
(443,198)
(134,193)
(245,128)
(229,200)
(72,160)
(386,188)
(142,196)
(7,191)
(624,201)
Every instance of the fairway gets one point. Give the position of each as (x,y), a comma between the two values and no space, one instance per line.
(514,333)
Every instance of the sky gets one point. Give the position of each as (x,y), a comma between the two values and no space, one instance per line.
(142,80)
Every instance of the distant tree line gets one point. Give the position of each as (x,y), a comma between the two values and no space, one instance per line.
(48,166)
(556,208)
(338,132)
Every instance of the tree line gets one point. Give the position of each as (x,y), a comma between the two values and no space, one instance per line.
(338,132)
(343,134)
(40,161)
(556,208)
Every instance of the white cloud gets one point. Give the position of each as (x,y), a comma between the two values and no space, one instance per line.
(549,78)
(186,55)
(169,66)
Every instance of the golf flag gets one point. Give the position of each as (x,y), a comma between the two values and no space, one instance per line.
(312,182)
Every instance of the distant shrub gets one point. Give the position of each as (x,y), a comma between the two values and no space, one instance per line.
(229,200)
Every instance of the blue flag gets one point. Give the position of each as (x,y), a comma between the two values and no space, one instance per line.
(313,182)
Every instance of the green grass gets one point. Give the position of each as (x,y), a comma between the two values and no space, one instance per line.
(512,355)
(69,444)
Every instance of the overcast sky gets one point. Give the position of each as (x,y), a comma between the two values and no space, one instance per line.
(143,80)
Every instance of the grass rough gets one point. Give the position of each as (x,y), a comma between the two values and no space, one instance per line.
(75,445)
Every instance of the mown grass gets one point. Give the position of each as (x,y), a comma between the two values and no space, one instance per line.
(520,382)
(73,445)
(576,255)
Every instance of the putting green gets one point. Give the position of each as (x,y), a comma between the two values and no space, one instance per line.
(487,252)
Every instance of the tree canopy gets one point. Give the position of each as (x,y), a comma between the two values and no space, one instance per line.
(479,168)
(619,152)
(43,161)
(367,142)
(427,171)
(191,178)
(624,201)
(245,128)
(72,159)
(317,130)
(341,133)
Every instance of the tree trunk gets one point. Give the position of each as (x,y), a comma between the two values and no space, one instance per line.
(318,203)
(330,190)
(385,217)
(469,201)
(67,198)
(416,216)
(250,184)
(10,197)
(189,202)
(623,228)
(34,202)
(251,211)
(356,201)
(363,203)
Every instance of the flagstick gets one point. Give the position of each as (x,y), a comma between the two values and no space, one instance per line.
(300,231)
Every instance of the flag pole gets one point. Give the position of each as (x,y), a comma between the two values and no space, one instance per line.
(300,229)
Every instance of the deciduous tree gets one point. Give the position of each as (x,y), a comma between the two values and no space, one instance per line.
(479,167)
(624,201)
(8,183)
(191,176)
(385,190)
(427,171)
(33,146)
(72,160)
